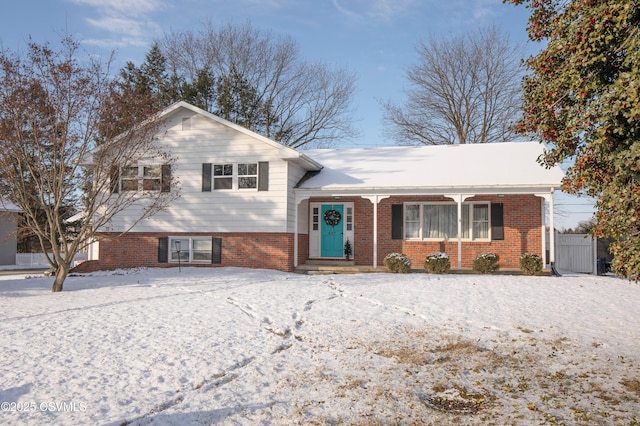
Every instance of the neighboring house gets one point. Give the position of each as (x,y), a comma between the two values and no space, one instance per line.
(248,201)
(8,232)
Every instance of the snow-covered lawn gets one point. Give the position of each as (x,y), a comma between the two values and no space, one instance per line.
(240,346)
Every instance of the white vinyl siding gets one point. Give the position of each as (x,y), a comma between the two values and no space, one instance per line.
(247,210)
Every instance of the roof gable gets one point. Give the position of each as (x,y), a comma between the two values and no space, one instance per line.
(285,152)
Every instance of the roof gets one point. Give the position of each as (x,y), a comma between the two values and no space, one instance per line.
(8,206)
(497,165)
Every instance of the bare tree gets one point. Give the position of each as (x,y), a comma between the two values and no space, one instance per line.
(66,132)
(462,90)
(292,101)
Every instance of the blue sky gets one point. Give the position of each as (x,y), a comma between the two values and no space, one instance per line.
(375,39)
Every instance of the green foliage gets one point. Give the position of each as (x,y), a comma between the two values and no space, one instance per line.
(530,264)
(238,101)
(486,263)
(437,263)
(152,81)
(397,262)
(348,250)
(582,99)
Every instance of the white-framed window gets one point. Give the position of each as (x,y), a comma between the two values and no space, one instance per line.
(247,175)
(235,176)
(151,178)
(349,219)
(145,178)
(315,219)
(439,221)
(222,176)
(190,249)
(481,221)
(129,178)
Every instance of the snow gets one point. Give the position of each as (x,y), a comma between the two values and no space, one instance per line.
(8,206)
(242,346)
(506,165)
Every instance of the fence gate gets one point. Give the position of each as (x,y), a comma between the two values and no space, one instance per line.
(576,253)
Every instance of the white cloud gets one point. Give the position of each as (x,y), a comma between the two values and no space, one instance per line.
(373,9)
(127,22)
(128,7)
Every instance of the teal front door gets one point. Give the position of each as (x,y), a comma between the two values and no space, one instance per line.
(332,226)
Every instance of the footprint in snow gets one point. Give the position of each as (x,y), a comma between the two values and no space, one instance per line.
(300,321)
(307,306)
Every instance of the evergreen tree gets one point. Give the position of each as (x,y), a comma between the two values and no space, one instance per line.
(582,98)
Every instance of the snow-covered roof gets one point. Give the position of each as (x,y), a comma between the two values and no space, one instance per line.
(498,165)
(8,206)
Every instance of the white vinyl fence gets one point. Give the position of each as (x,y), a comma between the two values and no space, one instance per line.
(39,259)
(576,253)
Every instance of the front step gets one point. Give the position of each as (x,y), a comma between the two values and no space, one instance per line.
(330,262)
(317,267)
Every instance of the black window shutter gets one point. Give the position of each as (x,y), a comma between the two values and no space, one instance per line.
(206,177)
(263,176)
(216,250)
(497,221)
(165,184)
(115,179)
(397,220)
(163,250)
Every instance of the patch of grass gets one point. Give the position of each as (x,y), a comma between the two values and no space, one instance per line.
(631,385)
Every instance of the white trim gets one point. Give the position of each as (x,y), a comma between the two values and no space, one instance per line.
(548,196)
(315,236)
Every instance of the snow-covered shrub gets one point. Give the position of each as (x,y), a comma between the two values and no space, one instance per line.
(397,262)
(486,263)
(530,264)
(437,263)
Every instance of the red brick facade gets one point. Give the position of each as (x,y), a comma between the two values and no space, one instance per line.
(522,233)
(522,229)
(249,250)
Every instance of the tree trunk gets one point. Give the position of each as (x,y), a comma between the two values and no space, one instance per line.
(61,275)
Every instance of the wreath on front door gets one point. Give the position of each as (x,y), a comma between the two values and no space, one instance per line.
(332,217)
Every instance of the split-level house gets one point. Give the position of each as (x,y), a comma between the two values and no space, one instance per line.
(248,201)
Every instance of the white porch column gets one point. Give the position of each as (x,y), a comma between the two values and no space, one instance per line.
(552,237)
(297,200)
(459,199)
(552,232)
(295,235)
(544,231)
(375,199)
(375,233)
